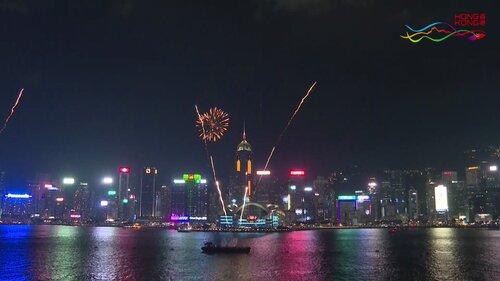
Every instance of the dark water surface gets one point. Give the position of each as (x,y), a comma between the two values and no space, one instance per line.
(105,253)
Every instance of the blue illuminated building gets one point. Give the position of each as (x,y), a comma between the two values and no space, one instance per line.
(17,205)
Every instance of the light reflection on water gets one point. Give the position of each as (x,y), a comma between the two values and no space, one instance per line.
(104,253)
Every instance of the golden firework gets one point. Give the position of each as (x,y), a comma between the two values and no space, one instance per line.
(212,124)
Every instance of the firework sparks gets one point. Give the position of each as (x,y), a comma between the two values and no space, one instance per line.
(288,124)
(244,201)
(218,188)
(12,110)
(212,124)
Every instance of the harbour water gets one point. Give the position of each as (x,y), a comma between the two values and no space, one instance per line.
(106,253)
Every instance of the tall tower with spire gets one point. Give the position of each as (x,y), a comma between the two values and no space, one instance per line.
(244,169)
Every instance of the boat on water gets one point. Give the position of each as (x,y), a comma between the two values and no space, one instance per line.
(393,230)
(211,248)
(184,228)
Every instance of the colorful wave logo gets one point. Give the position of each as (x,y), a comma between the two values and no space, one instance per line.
(442,29)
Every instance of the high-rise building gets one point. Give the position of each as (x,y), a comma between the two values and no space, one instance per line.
(244,171)
(39,188)
(346,210)
(124,209)
(163,202)
(441,205)
(457,195)
(189,198)
(393,196)
(82,203)
(490,187)
(373,190)
(296,191)
(413,208)
(325,196)
(449,176)
(17,206)
(264,192)
(147,193)
(65,200)
(472,177)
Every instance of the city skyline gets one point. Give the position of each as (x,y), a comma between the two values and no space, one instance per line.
(249,140)
(102,99)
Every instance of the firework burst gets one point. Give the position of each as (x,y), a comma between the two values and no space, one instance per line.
(212,124)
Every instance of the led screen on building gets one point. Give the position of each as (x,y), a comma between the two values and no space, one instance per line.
(441,197)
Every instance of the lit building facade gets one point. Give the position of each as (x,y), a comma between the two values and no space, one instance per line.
(147,193)
(189,198)
(82,203)
(243,172)
(325,200)
(413,204)
(17,206)
(124,209)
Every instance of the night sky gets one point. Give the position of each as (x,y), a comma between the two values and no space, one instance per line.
(111,83)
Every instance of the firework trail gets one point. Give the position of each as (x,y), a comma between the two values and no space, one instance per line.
(217,185)
(244,201)
(12,111)
(202,126)
(200,119)
(288,124)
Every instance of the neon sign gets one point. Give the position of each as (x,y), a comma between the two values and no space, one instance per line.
(124,170)
(440,31)
(18,196)
(198,218)
(363,198)
(192,177)
(68,181)
(179,218)
(297,173)
(346,197)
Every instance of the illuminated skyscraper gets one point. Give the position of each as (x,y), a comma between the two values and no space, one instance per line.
(189,197)
(298,198)
(393,196)
(244,172)
(325,196)
(147,193)
(163,202)
(413,211)
(82,201)
(123,193)
(17,206)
